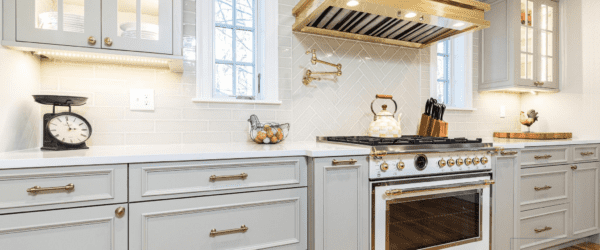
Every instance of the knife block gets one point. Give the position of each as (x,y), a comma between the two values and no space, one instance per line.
(424,125)
(430,127)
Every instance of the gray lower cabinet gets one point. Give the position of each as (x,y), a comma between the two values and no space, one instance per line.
(339,202)
(255,220)
(585,202)
(503,204)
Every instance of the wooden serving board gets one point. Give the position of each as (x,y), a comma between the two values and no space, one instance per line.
(533,136)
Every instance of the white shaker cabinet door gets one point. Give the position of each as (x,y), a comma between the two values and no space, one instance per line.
(585,199)
(92,228)
(138,25)
(61,22)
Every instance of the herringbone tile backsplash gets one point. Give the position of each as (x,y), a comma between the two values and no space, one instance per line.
(328,107)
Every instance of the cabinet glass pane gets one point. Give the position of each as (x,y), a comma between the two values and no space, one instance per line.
(523,66)
(46,14)
(530,13)
(530,40)
(544,20)
(244,15)
(149,18)
(245,77)
(550,38)
(523,12)
(73,16)
(523,39)
(550,68)
(127,18)
(550,18)
(543,68)
(224,79)
(223,12)
(530,67)
(244,46)
(223,44)
(543,45)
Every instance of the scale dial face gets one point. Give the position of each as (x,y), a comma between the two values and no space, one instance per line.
(69,129)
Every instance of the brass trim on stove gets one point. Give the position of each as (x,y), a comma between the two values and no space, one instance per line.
(377,154)
(473,185)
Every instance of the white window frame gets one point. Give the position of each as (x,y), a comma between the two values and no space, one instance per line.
(467,89)
(266,64)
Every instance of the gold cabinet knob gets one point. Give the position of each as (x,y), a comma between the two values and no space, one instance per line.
(442,163)
(468,161)
(92,40)
(384,167)
(451,163)
(119,212)
(574,167)
(400,165)
(484,160)
(475,160)
(459,162)
(108,41)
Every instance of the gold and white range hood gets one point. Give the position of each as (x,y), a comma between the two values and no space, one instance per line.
(409,23)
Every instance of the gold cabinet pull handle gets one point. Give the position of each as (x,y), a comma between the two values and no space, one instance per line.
(586,153)
(509,152)
(574,167)
(484,183)
(345,162)
(92,40)
(537,157)
(537,231)
(214,231)
(228,177)
(119,212)
(36,189)
(108,41)
(542,188)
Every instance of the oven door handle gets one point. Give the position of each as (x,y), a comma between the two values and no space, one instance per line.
(470,185)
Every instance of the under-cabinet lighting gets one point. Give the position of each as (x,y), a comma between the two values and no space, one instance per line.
(410,15)
(459,24)
(95,57)
(352,3)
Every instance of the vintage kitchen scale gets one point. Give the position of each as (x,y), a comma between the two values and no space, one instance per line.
(66,130)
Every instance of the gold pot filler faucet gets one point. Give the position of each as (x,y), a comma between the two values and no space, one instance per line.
(308,78)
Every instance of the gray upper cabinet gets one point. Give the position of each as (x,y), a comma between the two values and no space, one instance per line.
(125,25)
(520,49)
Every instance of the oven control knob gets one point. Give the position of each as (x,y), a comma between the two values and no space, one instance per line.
(459,162)
(400,166)
(468,161)
(451,163)
(484,160)
(442,163)
(420,162)
(475,160)
(384,167)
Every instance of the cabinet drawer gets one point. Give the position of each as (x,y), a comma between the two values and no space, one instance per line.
(91,228)
(545,186)
(271,219)
(48,188)
(544,156)
(180,179)
(540,228)
(583,153)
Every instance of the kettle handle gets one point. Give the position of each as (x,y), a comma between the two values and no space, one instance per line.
(384,97)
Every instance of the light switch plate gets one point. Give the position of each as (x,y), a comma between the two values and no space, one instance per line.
(141,99)
(502,111)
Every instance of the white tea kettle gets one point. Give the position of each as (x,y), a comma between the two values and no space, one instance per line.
(384,124)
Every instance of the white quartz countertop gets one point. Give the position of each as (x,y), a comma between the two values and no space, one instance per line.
(522,143)
(33,158)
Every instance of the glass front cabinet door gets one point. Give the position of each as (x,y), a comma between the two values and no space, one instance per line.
(138,25)
(537,60)
(62,22)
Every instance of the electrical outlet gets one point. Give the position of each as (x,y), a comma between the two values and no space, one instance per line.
(141,99)
(502,111)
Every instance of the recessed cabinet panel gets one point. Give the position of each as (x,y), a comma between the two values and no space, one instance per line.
(138,25)
(585,199)
(64,22)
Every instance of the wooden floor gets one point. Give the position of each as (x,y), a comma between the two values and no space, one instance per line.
(584,246)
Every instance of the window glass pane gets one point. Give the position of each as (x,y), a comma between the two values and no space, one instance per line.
(530,40)
(523,66)
(544,21)
(245,84)
(530,67)
(550,18)
(244,46)
(223,11)
(244,13)
(46,14)
(523,12)
(223,44)
(543,69)
(224,79)
(523,39)
(73,16)
(149,26)
(441,47)
(549,34)
(127,18)
(530,13)
(550,69)
(441,66)
(441,89)
(543,43)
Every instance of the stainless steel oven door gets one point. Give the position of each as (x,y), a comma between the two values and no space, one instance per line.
(445,214)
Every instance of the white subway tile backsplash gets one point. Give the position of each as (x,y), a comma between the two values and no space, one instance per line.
(207,137)
(181,126)
(120,126)
(156,114)
(152,138)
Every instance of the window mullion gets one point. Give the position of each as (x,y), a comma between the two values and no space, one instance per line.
(234,38)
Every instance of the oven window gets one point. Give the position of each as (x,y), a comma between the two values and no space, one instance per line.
(435,220)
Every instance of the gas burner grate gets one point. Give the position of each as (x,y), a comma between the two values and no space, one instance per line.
(404,140)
